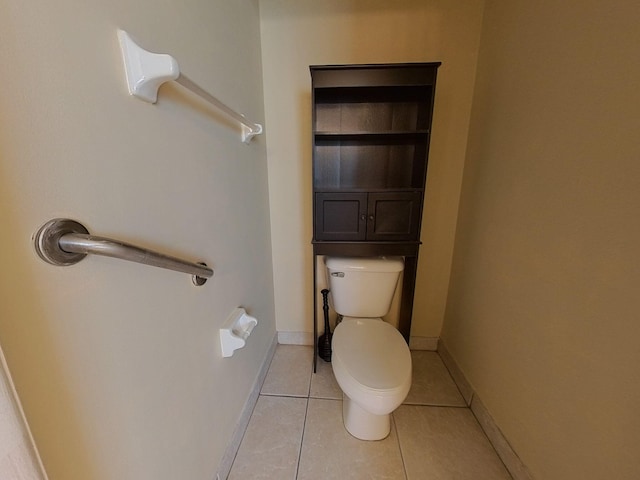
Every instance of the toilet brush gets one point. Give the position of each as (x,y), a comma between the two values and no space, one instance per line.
(324,342)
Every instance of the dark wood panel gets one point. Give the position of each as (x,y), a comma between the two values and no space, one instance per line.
(394,216)
(379,75)
(366,249)
(340,216)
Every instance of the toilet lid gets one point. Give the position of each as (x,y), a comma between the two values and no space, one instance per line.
(372,352)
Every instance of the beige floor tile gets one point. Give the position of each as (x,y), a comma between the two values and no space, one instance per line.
(271,444)
(323,382)
(329,452)
(431,383)
(290,371)
(443,443)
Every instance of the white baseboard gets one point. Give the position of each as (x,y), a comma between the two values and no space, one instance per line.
(423,343)
(510,459)
(295,338)
(458,377)
(514,465)
(232,449)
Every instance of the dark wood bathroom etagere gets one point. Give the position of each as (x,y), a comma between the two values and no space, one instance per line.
(371,132)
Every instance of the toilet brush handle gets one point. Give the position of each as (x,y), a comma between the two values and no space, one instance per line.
(324,342)
(325,309)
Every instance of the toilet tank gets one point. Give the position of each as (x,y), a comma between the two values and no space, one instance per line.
(362,286)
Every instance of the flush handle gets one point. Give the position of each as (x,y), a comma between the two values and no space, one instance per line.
(337,274)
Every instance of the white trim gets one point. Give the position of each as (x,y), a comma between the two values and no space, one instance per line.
(423,343)
(295,338)
(509,457)
(458,377)
(232,449)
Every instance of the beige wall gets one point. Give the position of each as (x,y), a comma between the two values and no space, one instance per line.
(118,365)
(542,313)
(296,34)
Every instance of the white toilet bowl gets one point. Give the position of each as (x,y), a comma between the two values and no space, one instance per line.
(372,365)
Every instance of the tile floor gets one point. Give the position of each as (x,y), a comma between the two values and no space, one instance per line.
(296,429)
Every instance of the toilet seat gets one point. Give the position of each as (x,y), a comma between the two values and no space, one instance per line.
(372,363)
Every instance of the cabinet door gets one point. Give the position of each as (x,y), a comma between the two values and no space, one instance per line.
(340,216)
(393,216)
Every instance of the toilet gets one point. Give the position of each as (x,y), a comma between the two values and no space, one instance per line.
(371,360)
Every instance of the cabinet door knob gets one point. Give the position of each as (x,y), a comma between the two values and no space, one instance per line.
(371,217)
(363,217)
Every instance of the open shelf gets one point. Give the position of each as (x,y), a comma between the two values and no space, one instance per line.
(386,136)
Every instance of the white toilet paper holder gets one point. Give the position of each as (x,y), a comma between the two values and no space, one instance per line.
(236,330)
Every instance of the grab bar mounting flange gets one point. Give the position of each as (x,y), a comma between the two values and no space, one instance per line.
(47,241)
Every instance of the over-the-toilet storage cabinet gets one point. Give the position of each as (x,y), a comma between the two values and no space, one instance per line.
(371,131)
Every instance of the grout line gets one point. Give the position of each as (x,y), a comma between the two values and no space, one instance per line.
(458,377)
(309,396)
(432,405)
(235,455)
(395,428)
(226,464)
(486,436)
(304,428)
(290,395)
(446,366)
(514,466)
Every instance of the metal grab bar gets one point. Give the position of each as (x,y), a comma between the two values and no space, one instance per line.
(65,242)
